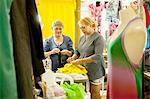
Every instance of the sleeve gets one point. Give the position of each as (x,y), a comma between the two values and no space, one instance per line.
(77,52)
(70,43)
(98,48)
(46,45)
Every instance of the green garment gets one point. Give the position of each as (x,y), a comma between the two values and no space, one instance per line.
(148,6)
(8,89)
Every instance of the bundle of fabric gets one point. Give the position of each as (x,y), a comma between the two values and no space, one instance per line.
(70,68)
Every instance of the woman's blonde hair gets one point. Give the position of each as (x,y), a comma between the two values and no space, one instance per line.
(57,23)
(88,21)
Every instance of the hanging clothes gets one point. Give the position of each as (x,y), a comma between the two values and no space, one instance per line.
(8,89)
(27,41)
(147,15)
(147,12)
(22,49)
(35,38)
(148,38)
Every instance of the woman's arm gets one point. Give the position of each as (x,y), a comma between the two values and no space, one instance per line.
(74,57)
(98,50)
(86,60)
(54,51)
(69,53)
(82,60)
(47,48)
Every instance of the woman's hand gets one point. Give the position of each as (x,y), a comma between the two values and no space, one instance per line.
(76,62)
(55,51)
(70,59)
(66,52)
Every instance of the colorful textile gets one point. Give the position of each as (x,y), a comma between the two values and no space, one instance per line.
(147,12)
(124,77)
(148,37)
(147,15)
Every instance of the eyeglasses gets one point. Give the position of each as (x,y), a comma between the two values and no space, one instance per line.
(82,27)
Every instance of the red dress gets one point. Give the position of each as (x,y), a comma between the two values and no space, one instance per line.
(147,16)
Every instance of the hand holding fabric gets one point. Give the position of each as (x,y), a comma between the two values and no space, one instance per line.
(55,51)
(70,59)
(66,52)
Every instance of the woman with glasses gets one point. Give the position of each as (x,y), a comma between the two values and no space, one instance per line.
(89,54)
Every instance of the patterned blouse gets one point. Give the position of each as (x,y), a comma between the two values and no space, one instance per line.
(58,60)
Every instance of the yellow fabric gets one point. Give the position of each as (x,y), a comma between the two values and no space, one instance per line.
(70,68)
(62,10)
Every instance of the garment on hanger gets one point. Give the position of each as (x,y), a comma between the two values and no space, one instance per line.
(35,38)
(27,42)
(148,5)
(124,77)
(147,12)
(22,49)
(8,89)
(148,38)
(36,41)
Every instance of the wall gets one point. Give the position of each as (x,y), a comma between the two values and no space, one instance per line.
(63,10)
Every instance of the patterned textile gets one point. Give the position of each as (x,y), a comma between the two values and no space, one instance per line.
(147,12)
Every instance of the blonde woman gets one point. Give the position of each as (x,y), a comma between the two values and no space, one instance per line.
(89,54)
(58,47)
